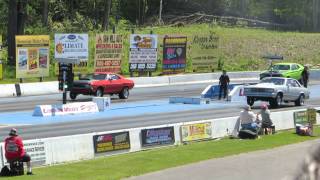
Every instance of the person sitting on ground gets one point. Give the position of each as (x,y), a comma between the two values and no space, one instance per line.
(266,123)
(14,150)
(247,118)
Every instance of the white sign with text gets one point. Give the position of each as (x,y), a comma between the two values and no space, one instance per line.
(65,109)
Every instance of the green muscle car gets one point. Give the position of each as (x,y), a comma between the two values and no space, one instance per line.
(288,70)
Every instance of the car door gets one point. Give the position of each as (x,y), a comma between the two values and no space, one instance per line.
(296,88)
(295,73)
(115,84)
(292,89)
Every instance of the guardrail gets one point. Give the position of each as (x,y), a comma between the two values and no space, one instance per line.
(49,151)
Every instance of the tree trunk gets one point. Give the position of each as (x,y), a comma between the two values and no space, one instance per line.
(12,31)
(160,12)
(315,15)
(45,12)
(107,8)
(21,15)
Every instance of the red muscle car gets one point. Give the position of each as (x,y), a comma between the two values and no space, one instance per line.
(99,84)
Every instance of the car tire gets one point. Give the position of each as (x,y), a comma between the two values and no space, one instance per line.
(250,101)
(99,92)
(124,94)
(276,102)
(300,100)
(73,96)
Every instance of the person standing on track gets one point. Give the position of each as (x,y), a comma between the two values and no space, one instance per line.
(223,83)
(305,76)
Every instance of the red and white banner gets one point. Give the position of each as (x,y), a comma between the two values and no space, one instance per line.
(64,109)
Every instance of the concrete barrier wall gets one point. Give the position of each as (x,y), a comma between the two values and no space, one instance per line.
(80,147)
(7,90)
(31,89)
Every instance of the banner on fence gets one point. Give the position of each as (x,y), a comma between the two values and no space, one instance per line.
(111,142)
(143,52)
(32,56)
(174,54)
(108,53)
(193,132)
(36,150)
(71,46)
(157,136)
(204,52)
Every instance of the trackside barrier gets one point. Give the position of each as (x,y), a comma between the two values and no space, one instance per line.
(212,91)
(7,90)
(236,94)
(31,89)
(56,150)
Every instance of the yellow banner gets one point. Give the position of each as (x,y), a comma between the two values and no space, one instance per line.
(32,56)
(193,132)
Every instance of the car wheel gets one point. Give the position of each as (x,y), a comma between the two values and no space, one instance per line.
(300,100)
(73,96)
(124,94)
(99,92)
(276,102)
(250,101)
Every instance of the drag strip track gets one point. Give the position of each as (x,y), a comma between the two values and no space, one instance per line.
(116,123)
(100,125)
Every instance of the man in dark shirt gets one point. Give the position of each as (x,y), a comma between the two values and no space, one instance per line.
(223,82)
(305,76)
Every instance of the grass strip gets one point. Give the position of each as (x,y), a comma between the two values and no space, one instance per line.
(133,164)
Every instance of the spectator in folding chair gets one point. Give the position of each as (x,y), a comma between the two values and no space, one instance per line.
(14,150)
(267,126)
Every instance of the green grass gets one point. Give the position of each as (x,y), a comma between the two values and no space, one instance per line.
(133,164)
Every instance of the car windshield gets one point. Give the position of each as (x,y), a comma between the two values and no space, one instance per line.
(279,67)
(93,77)
(273,80)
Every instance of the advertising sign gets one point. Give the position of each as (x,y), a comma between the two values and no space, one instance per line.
(111,142)
(174,54)
(300,117)
(36,150)
(194,132)
(143,52)
(64,109)
(1,57)
(204,51)
(157,136)
(32,56)
(71,46)
(108,53)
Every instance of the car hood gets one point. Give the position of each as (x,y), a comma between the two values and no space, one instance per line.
(263,85)
(82,82)
(275,72)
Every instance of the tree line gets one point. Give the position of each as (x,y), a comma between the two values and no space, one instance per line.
(46,16)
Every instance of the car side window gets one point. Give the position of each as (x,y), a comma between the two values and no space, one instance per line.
(292,83)
(296,84)
(294,67)
(114,77)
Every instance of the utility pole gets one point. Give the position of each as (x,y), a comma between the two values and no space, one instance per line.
(160,12)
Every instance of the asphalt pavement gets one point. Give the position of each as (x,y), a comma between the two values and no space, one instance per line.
(280,163)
